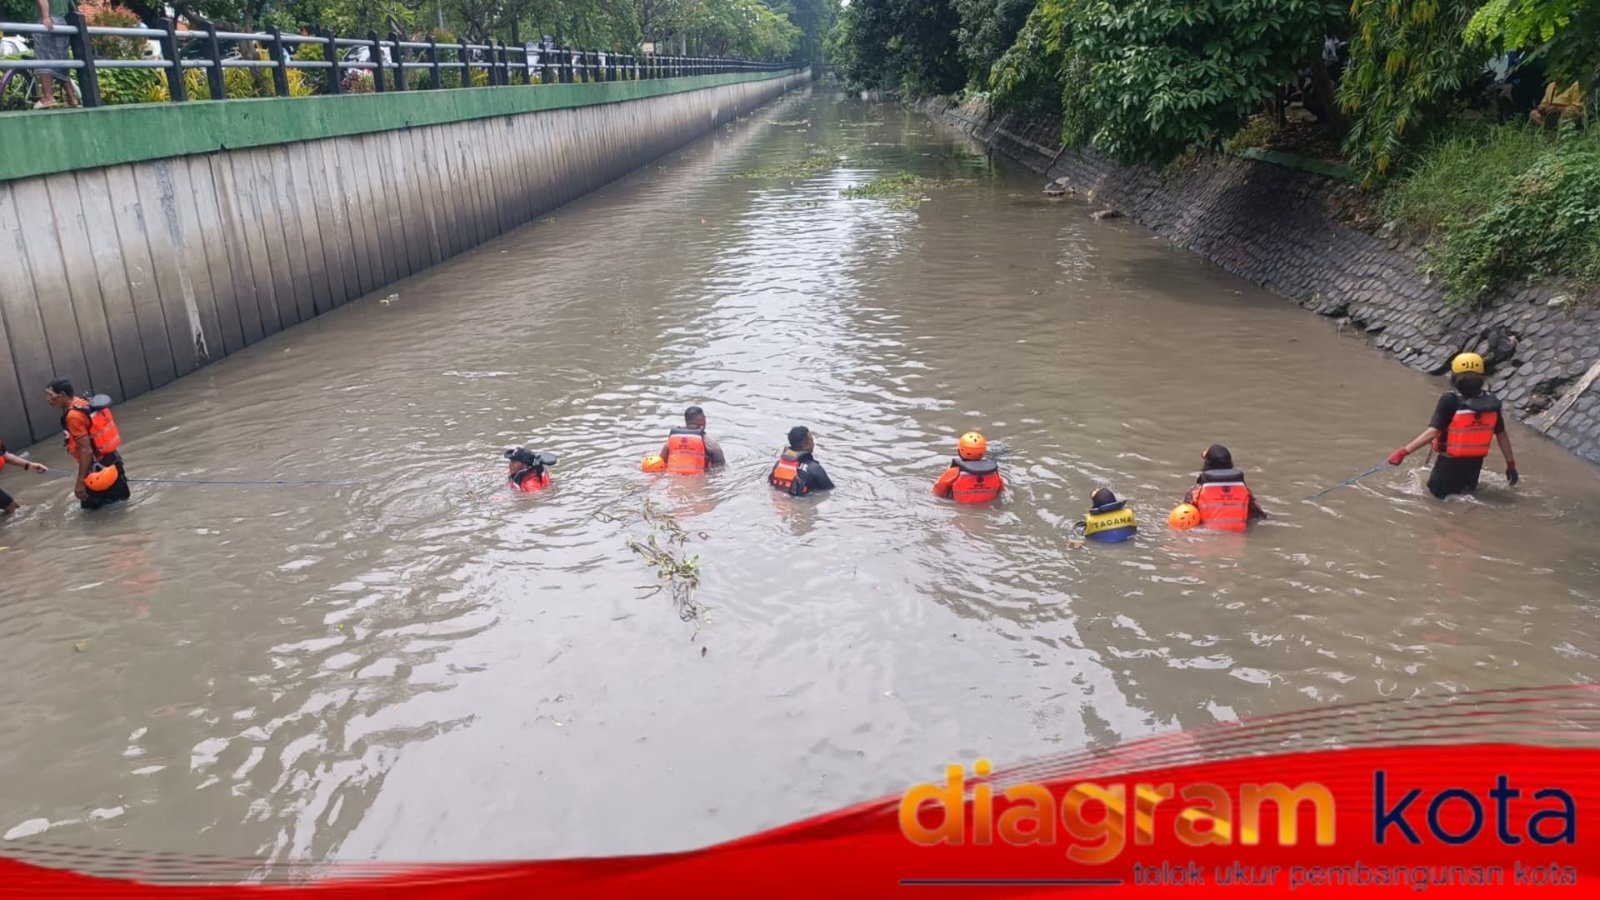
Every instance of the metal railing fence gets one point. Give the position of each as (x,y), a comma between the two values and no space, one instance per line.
(385,61)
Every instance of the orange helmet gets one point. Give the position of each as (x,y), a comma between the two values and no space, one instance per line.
(973,446)
(101,478)
(653,463)
(1183,517)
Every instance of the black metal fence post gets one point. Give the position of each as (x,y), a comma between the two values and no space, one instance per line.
(214,79)
(169,51)
(330,51)
(549,74)
(399,62)
(88,81)
(433,61)
(376,60)
(280,68)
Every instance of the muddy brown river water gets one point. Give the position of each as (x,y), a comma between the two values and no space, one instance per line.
(424,667)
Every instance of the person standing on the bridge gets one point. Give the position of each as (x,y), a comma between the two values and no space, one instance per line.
(796,472)
(8,504)
(688,451)
(1465,422)
(93,440)
(51,46)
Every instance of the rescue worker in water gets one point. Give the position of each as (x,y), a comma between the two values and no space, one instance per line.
(527,469)
(1220,494)
(93,441)
(688,451)
(972,476)
(796,473)
(1465,422)
(8,504)
(1109,520)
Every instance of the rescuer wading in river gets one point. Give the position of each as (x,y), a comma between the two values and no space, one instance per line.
(92,440)
(972,476)
(688,451)
(796,472)
(527,471)
(1109,521)
(8,504)
(1220,498)
(1465,422)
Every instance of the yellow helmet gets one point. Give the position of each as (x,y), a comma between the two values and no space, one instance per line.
(972,446)
(653,463)
(1466,362)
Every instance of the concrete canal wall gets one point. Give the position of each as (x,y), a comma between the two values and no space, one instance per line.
(138,244)
(1279,227)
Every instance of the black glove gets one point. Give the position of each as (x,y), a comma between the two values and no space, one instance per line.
(1511,475)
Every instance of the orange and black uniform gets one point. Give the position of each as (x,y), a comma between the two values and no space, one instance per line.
(531,479)
(97,431)
(1224,500)
(797,474)
(1467,427)
(970,481)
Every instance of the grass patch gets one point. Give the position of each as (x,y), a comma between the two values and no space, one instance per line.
(808,166)
(1256,133)
(1496,204)
(901,190)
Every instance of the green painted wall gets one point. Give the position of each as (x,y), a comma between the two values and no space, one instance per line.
(39,143)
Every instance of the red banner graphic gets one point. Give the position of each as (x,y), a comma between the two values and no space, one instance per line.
(1483,794)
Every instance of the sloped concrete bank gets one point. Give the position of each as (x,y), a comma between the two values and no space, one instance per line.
(1278,228)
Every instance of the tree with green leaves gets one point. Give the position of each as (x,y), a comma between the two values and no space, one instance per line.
(900,44)
(988,29)
(1145,80)
(1408,64)
(1566,33)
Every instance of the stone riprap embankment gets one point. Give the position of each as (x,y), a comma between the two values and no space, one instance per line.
(1279,227)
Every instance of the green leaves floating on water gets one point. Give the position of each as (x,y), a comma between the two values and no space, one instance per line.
(806,167)
(662,549)
(903,190)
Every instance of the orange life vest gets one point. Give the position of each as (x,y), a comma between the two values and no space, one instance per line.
(786,475)
(978,481)
(1471,429)
(529,481)
(104,439)
(686,451)
(1223,500)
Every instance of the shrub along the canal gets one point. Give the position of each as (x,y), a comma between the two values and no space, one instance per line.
(1501,204)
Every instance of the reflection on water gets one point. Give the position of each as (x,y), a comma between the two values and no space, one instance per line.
(425,667)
